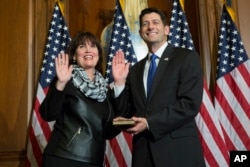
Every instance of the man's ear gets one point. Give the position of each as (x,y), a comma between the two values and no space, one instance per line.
(167,29)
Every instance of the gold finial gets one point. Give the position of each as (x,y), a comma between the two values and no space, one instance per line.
(61,6)
(182,4)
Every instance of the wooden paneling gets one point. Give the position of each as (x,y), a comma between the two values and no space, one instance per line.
(208,33)
(14,44)
(243,13)
(89,15)
(23,30)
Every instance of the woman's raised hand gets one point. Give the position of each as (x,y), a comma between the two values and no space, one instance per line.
(63,70)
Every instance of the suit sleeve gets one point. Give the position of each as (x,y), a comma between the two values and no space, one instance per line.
(121,103)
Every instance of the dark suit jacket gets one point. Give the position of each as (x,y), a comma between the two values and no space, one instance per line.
(170,110)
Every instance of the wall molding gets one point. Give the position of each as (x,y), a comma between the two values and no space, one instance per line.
(12,156)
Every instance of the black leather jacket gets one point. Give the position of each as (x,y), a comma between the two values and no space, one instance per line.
(82,125)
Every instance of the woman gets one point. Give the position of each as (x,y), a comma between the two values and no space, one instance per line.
(77,100)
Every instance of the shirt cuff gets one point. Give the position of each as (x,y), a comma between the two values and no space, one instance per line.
(147,124)
(117,89)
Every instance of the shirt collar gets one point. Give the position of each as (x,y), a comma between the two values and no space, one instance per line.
(160,50)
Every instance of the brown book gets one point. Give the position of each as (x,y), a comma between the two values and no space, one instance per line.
(126,122)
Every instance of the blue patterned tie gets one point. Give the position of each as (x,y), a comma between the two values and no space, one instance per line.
(151,72)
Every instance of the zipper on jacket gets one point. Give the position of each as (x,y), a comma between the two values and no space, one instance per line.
(78,132)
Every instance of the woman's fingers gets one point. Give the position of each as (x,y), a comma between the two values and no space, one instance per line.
(62,59)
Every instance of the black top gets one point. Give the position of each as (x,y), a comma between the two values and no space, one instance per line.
(82,125)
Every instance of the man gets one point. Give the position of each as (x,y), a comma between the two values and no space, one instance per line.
(165,133)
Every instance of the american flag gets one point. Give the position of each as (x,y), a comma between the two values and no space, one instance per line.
(179,34)
(211,135)
(118,152)
(57,41)
(232,89)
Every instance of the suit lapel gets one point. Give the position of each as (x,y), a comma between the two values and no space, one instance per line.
(163,63)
